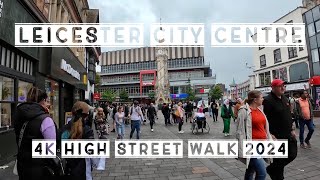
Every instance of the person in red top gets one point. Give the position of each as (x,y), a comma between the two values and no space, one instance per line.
(252,124)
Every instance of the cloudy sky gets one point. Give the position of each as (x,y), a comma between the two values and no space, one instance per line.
(227,63)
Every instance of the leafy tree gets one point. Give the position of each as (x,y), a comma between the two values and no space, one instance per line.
(98,80)
(123,95)
(109,95)
(152,95)
(216,92)
(190,91)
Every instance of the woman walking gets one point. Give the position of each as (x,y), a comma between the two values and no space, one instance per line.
(252,124)
(226,114)
(179,112)
(120,122)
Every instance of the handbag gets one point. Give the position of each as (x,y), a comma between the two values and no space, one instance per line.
(15,168)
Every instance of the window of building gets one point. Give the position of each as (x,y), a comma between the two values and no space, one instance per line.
(299,72)
(277,35)
(301,48)
(265,79)
(317,24)
(23,90)
(261,47)
(313,42)
(280,74)
(263,62)
(277,55)
(309,17)
(311,30)
(316,13)
(6,100)
(292,51)
(315,55)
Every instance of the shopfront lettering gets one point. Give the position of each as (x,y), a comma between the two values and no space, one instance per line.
(1,8)
(67,67)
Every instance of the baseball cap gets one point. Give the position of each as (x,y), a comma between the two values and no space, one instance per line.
(277,82)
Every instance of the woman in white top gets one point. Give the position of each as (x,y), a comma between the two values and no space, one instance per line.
(200,116)
(119,118)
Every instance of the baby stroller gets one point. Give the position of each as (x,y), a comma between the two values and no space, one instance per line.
(102,127)
(200,123)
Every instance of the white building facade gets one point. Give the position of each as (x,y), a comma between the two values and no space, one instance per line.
(287,63)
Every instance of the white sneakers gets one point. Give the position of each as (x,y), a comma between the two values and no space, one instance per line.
(151,130)
(181,132)
(226,134)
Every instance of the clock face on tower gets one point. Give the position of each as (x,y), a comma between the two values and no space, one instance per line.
(160,51)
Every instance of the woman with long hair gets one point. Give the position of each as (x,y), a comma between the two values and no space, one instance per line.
(77,128)
(32,120)
(179,112)
(252,124)
(120,122)
(101,123)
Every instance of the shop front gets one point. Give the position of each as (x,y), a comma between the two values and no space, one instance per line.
(66,84)
(18,71)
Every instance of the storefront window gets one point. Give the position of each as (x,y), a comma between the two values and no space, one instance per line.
(23,91)
(6,89)
(5,115)
(52,89)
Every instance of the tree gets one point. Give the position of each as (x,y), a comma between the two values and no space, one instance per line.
(109,96)
(151,95)
(216,92)
(190,91)
(123,95)
(98,80)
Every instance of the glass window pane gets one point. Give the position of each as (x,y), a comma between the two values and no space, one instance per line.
(313,42)
(8,58)
(315,55)
(309,17)
(299,71)
(6,89)
(5,114)
(316,13)
(317,26)
(316,68)
(311,30)
(23,90)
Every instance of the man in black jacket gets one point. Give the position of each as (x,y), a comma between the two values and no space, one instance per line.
(151,115)
(277,109)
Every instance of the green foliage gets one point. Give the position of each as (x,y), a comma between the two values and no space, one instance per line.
(152,95)
(97,80)
(109,96)
(216,92)
(191,92)
(124,96)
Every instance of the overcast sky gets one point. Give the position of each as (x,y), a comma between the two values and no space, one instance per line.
(227,63)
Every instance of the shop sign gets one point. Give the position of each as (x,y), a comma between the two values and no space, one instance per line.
(67,67)
(96,96)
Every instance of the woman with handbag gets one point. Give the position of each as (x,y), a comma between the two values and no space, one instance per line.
(252,124)
(179,112)
(32,121)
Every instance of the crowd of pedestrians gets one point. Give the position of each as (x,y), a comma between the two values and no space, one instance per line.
(271,117)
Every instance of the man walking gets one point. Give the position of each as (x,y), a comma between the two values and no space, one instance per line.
(151,115)
(277,109)
(305,115)
(166,113)
(136,117)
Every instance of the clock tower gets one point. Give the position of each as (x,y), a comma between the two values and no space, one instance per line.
(162,83)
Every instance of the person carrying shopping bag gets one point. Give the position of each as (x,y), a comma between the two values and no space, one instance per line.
(252,124)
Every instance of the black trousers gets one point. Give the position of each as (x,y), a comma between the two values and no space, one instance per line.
(276,168)
(151,119)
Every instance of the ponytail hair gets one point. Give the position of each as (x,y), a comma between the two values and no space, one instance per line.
(77,126)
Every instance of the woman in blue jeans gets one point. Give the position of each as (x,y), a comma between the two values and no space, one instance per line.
(252,124)
(120,122)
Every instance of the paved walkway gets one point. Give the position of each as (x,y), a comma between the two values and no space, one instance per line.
(306,166)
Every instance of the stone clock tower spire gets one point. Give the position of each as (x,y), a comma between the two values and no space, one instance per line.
(162,83)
